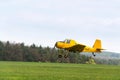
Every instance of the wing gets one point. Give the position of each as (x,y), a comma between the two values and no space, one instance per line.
(77,47)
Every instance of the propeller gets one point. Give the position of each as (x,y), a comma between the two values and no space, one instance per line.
(55,46)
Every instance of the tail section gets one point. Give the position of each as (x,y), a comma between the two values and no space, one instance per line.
(97,45)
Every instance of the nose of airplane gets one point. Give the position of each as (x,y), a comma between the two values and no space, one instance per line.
(56,44)
(59,44)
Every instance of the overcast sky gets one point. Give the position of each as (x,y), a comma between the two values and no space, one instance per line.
(44,22)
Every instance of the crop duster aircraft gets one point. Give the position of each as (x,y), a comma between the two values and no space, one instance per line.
(72,46)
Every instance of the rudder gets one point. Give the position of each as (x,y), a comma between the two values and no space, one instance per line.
(97,44)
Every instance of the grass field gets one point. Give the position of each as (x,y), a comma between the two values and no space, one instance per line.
(57,71)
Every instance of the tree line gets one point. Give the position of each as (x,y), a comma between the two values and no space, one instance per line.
(21,52)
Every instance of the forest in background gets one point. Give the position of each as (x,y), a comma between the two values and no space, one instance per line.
(20,52)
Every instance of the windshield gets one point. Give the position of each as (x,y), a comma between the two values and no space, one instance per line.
(66,41)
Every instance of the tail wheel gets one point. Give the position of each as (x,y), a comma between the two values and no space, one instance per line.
(93,54)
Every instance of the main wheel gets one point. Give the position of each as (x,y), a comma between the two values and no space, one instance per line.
(59,56)
(65,56)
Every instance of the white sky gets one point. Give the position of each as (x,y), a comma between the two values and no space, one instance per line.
(44,22)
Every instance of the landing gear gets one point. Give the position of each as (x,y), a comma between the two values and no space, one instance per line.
(59,56)
(93,54)
(65,56)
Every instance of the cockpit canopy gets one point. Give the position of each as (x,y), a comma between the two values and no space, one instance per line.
(67,41)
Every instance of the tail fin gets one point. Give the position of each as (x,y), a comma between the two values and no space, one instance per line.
(97,44)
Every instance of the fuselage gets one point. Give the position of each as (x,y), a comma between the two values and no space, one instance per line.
(69,45)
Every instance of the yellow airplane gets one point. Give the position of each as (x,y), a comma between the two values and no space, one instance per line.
(72,46)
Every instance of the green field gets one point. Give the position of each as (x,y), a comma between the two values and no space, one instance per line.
(57,71)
